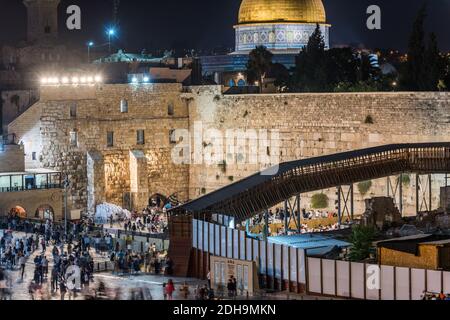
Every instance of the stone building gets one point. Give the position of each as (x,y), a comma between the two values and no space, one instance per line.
(116,143)
(32,194)
(283,27)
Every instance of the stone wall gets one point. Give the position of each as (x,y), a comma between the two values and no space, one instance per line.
(88,113)
(11,159)
(303,125)
(311,125)
(14,103)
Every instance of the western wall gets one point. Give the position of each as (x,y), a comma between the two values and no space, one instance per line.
(128,173)
(311,125)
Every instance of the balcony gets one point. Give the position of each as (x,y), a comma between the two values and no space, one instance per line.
(31,180)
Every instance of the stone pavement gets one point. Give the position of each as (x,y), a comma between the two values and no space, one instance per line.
(152,285)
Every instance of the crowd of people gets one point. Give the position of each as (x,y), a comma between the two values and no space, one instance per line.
(435,296)
(325,218)
(152,220)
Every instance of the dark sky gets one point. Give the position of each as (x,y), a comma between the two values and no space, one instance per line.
(209,23)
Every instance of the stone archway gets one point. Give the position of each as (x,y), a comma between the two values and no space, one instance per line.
(45,212)
(157,200)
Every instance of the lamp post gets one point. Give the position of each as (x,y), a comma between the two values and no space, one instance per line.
(111,33)
(90,44)
(66,187)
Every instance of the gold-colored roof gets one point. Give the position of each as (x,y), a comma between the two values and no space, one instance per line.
(259,11)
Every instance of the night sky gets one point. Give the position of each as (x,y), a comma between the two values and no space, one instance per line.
(206,24)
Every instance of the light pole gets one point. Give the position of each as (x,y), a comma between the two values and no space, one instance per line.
(90,44)
(111,33)
(66,187)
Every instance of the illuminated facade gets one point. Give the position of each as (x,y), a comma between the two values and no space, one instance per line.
(280,26)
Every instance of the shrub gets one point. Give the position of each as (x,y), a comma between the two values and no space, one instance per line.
(319,201)
(364,187)
(361,240)
(406,179)
(369,120)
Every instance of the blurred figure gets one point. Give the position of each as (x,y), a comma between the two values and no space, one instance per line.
(185,290)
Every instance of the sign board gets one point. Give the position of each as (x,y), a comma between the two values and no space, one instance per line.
(75,215)
(222,269)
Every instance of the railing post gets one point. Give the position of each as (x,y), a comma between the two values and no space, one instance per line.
(339,206)
(400,196)
(430,195)
(417,195)
(286,220)
(299,215)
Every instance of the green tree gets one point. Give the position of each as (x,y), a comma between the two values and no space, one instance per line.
(433,64)
(341,66)
(414,74)
(319,201)
(310,66)
(258,65)
(361,240)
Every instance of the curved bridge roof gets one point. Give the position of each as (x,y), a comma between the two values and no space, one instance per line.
(253,195)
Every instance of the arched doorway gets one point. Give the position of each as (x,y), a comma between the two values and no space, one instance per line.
(157,200)
(45,212)
(19,212)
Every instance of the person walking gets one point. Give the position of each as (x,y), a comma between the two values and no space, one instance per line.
(62,289)
(22,262)
(170,288)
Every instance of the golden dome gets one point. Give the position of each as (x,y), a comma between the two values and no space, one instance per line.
(259,11)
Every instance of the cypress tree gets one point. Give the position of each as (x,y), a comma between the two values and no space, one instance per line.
(311,64)
(433,64)
(414,74)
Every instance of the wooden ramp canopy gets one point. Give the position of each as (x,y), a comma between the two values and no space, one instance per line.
(250,196)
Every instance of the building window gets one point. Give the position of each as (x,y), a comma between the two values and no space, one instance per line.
(140,137)
(110,139)
(73,139)
(123,106)
(73,110)
(172,138)
(171,110)
(33,156)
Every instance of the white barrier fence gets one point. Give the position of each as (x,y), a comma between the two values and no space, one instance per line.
(273,260)
(372,282)
(321,276)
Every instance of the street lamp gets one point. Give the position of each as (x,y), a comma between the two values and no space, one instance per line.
(111,32)
(90,44)
(66,187)
(394,85)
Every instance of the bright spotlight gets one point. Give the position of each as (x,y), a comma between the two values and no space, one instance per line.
(90,44)
(134,80)
(65,80)
(98,79)
(54,80)
(83,79)
(146,79)
(75,80)
(90,79)
(44,80)
(111,32)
